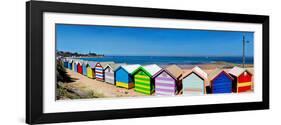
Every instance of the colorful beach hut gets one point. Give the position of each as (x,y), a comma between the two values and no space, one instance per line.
(84,67)
(91,69)
(65,63)
(167,80)
(194,82)
(109,73)
(123,75)
(70,64)
(144,82)
(79,67)
(99,70)
(75,63)
(220,81)
(242,79)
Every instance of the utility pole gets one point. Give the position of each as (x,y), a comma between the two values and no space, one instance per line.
(243,50)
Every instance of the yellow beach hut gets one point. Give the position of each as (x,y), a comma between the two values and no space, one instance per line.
(91,69)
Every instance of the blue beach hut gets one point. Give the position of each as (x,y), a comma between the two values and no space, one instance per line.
(123,76)
(84,67)
(75,66)
(70,64)
(65,63)
(220,81)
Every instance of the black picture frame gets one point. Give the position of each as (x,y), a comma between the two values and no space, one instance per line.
(34,61)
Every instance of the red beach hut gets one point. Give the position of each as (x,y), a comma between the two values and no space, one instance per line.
(242,79)
(79,68)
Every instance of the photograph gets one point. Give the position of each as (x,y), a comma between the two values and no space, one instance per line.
(101,61)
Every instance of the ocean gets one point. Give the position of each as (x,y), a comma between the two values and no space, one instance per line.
(165,60)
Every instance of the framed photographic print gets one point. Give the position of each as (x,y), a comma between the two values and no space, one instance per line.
(95,62)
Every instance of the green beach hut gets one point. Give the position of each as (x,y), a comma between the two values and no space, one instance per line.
(143,78)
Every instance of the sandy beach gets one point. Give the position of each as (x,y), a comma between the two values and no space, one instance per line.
(91,88)
(97,88)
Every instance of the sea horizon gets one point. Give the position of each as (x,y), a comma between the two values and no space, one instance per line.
(165,60)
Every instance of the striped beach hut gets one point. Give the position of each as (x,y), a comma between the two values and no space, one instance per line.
(70,61)
(91,69)
(194,82)
(242,79)
(99,70)
(123,75)
(167,80)
(220,81)
(79,67)
(84,67)
(109,73)
(144,82)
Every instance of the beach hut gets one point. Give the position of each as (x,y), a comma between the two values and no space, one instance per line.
(84,67)
(75,63)
(70,64)
(144,82)
(167,80)
(194,82)
(65,63)
(109,73)
(220,81)
(99,70)
(123,75)
(79,67)
(242,79)
(91,69)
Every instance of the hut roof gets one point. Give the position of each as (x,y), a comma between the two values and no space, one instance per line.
(215,73)
(70,60)
(152,69)
(131,68)
(196,70)
(200,72)
(80,62)
(92,64)
(251,70)
(236,71)
(85,62)
(174,70)
(104,64)
(114,66)
(75,62)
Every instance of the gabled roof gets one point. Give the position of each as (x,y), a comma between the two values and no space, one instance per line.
(198,71)
(114,66)
(216,72)
(251,70)
(151,69)
(131,68)
(76,61)
(103,64)
(92,64)
(237,71)
(80,62)
(174,70)
(64,59)
(84,62)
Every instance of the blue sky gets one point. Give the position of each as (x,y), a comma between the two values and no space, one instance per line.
(150,41)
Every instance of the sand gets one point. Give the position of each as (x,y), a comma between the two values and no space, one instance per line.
(101,89)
